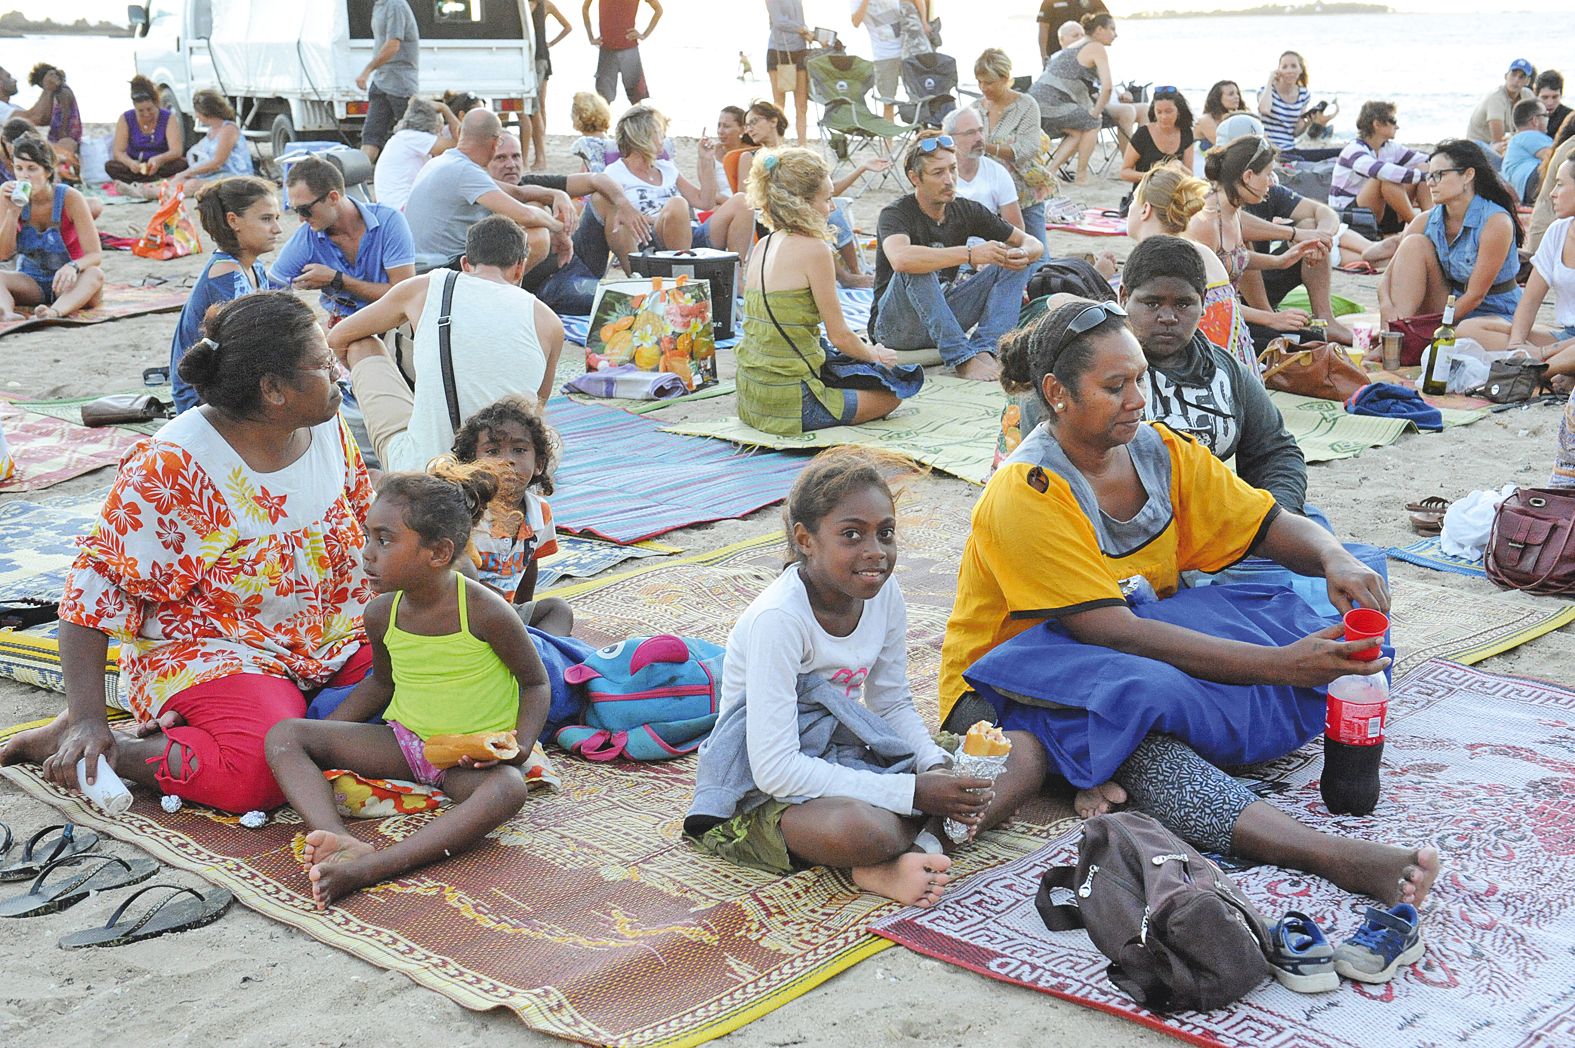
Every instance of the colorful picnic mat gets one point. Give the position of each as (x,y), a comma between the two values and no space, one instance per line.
(1478,765)
(1325,431)
(1094,223)
(118,302)
(50,450)
(623,479)
(950,425)
(1428,553)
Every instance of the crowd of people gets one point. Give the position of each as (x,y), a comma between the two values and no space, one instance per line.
(416,594)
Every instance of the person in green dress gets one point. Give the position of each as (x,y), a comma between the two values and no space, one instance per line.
(790,290)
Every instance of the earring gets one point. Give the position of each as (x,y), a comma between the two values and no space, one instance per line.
(1060,407)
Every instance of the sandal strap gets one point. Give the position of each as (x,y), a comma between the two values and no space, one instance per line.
(68,832)
(81,878)
(5,845)
(175,890)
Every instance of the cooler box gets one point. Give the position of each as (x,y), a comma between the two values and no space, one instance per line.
(718,267)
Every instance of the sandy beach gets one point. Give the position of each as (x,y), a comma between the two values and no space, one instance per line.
(249,981)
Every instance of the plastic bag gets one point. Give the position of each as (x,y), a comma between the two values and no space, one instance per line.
(96,152)
(1468,522)
(171,232)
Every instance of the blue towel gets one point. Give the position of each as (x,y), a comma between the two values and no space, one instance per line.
(1387,400)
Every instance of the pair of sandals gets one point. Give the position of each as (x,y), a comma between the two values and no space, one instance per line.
(65,870)
(1427,515)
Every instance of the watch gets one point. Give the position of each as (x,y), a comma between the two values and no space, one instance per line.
(338,282)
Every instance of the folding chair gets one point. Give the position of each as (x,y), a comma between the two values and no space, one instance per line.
(839,84)
(930,81)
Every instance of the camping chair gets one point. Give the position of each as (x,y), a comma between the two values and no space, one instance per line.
(931,83)
(839,83)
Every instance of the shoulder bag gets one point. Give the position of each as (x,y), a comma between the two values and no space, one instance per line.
(446,349)
(1313,369)
(1531,546)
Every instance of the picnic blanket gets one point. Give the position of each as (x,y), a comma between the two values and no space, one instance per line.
(1428,553)
(49,450)
(951,425)
(1325,431)
(623,479)
(70,410)
(118,301)
(1094,223)
(1479,764)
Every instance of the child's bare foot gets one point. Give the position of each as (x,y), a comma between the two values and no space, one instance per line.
(913,878)
(333,870)
(1099,800)
(1388,874)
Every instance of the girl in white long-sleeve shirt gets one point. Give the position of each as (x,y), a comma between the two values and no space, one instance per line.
(836,614)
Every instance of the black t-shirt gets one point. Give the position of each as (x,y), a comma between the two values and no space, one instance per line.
(963,219)
(1149,153)
(1279,203)
(1556,119)
(1054,12)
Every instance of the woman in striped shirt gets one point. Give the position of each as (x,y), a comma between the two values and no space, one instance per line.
(1380,174)
(1283,103)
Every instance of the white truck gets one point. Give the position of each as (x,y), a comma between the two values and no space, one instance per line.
(289,66)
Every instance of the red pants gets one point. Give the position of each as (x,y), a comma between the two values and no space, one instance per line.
(226,722)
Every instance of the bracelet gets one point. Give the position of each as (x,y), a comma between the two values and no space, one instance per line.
(970,256)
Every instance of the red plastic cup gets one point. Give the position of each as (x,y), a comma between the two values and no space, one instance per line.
(1366,624)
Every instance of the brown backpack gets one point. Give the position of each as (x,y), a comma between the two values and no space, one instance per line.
(1178,932)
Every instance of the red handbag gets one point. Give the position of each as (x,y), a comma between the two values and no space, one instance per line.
(1416,334)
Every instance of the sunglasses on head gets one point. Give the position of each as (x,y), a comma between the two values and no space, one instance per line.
(1092,315)
(1168,89)
(930,145)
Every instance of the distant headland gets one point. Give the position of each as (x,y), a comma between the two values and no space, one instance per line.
(1274,9)
(14,23)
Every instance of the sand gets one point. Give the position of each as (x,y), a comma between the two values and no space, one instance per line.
(249,981)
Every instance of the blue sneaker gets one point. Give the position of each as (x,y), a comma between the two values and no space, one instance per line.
(1299,955)
(1387,941)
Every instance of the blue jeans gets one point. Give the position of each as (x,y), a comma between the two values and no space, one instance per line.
(917,311)
(842,226)
(1034,226)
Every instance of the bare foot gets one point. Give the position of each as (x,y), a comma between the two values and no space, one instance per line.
(1388,874)
(11,316)
(981,368)
(913,878)
(1099,800)
(1338,332)
(334,871)
(36,744)
(44,312)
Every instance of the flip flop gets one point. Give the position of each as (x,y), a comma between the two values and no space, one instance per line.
(1427,515)
(173,913)
(73,840)
(105,874)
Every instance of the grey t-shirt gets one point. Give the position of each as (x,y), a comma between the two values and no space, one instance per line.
(393,20)
(442,204)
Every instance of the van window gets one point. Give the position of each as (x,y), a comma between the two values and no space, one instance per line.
(449,19)
(202,19)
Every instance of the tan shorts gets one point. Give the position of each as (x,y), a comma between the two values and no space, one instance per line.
(386,403)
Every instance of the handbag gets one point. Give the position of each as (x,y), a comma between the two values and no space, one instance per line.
(784,75)
(1512,381)
(1313,369)
(122,408)
(1416,334)
(1531,546)
(656,325)
(171,232)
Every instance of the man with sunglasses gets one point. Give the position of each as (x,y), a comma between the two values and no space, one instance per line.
(350,252)
(923,295)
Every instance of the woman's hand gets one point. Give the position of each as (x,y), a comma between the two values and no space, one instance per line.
(875,165)
(1298,250)
(1289,319)
(707,148)
(1353,584)
(964,798)
(881,355)
(89,740)
(1319,658)
(65,278)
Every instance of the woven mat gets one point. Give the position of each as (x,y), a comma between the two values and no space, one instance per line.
(1429,554)
(624,480)
(951,425)
(70,410)
(48,450)
(1480,766)
(119,301)
(1326,431)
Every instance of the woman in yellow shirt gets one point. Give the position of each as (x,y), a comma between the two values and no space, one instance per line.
(1095,502)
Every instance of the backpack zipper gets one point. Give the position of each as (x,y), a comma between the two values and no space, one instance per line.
(1087,887)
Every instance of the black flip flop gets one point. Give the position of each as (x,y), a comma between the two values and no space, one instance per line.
(73,840)
(102,872)
(173,913)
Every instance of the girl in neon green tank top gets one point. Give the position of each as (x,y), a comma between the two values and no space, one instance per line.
(450,657)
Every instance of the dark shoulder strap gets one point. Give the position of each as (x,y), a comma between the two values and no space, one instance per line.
(1059,916)
(446,349)
(766,298)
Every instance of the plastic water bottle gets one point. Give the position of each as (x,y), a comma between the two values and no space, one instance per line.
(1353,743)
(107,791)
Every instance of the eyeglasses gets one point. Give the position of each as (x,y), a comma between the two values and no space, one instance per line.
(305,210)
(329,368)
(1435,177)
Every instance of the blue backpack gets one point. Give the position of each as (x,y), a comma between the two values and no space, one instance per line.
(647,699)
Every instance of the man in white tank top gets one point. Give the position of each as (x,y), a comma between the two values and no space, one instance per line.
(503,341)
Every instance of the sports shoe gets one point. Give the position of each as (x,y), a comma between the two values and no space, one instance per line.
(1387,941)
(1299,955)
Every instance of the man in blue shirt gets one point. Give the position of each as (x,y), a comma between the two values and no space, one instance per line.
(349,251)
(1527,151)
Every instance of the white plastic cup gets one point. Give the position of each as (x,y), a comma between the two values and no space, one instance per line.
(108,793)
(21,193)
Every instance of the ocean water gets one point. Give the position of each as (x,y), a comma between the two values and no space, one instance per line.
(1434,67)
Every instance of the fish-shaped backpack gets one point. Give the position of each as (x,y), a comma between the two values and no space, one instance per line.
(647,699)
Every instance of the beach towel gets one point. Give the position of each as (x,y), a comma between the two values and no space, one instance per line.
(48,450)
(1479,764)
(1325,431)
(117,301)
(1428,553)
(951,424)
(1094,223)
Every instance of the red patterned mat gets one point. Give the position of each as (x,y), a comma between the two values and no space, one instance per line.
(1479,765)
(50,450)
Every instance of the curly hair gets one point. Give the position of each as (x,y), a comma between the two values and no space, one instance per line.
(143,90)
(41,70)
(782,182)
(520,412)
(1174,195)
(589,114)
(445,507)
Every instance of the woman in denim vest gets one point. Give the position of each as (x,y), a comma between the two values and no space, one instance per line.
(1464,245)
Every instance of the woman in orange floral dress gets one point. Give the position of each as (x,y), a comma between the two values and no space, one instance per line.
(226,564)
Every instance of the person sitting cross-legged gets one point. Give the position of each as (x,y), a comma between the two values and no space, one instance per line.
(922,296)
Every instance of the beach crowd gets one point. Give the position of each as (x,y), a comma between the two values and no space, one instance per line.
(405,592)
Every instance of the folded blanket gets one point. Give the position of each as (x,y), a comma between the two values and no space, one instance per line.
(1387,400)
(628,382)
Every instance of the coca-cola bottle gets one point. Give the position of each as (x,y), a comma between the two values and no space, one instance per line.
(1353,742)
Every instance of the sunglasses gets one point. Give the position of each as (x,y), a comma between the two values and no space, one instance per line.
(1092,316)
(1168,89)
(305,210)
(930,145)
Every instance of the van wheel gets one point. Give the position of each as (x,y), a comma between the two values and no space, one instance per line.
(188,126)
(281,134)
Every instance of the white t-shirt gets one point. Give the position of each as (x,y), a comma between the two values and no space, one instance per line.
(1549,264)
(881,19)
(646,198)
(402,158)
(492,335)
(776,640)
(991,186)
(7,111)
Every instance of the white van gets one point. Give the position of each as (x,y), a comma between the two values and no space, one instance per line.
(289,66)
